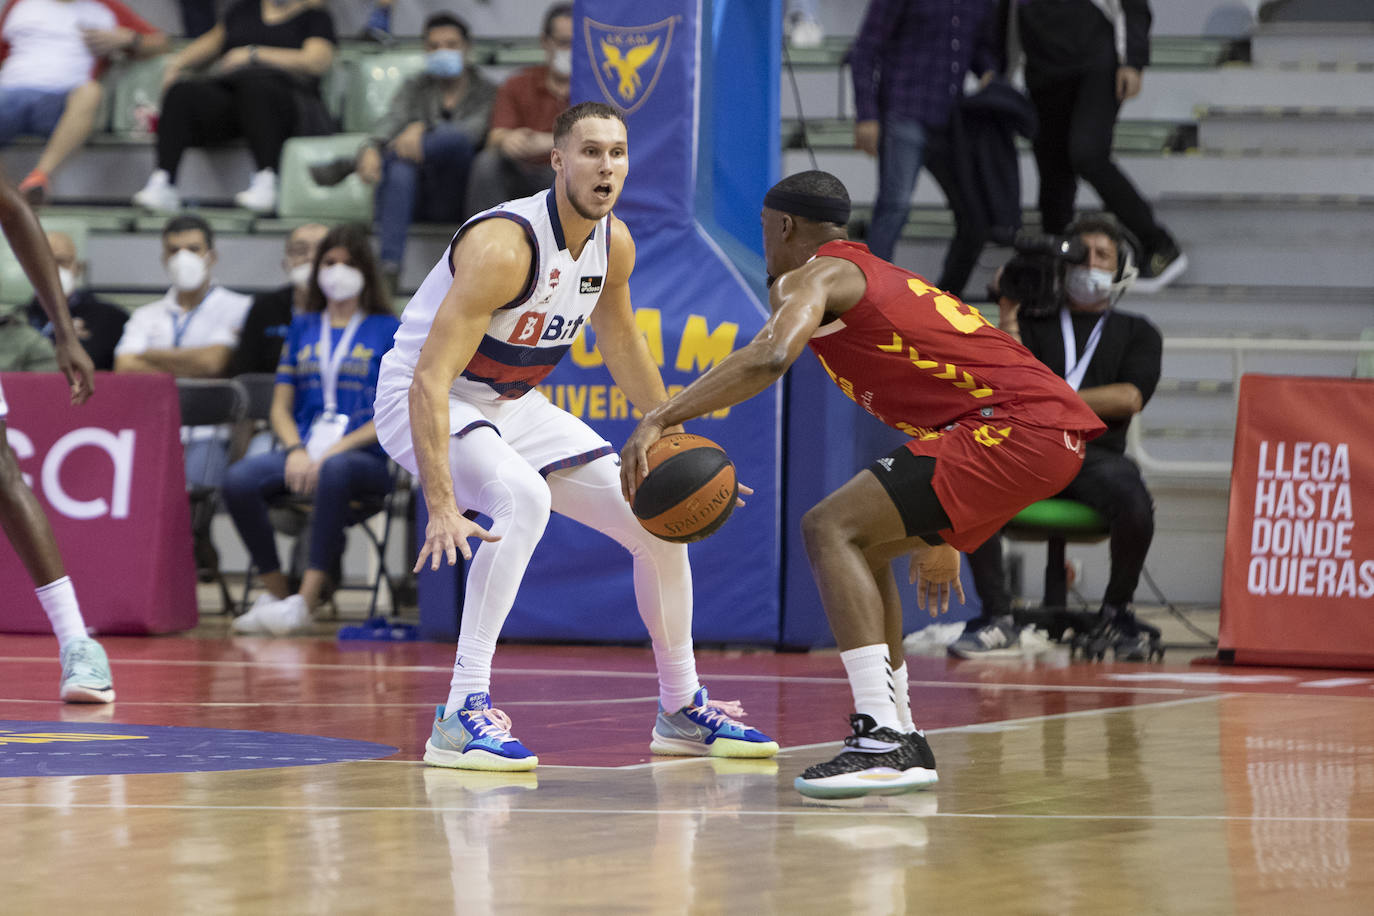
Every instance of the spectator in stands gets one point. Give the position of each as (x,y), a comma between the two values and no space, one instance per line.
(54,52)
(263,84)
(190,332)
(99,324)
(908,63)
(515,161)
(23,348)
(421,150)
(197,17)
(1083,59)
(322,416)
(1115,367)
(264,330)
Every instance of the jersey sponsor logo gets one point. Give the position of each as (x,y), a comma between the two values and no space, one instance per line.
(989,436)
(529,327)
(553,277)
(627,62)
(561,329)
(589,285)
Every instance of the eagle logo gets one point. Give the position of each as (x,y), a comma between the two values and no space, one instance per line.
(628,61)
(627,67)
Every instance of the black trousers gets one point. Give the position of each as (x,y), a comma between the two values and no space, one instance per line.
(971,229)
(1077,117)
(1110,483)
(258,105)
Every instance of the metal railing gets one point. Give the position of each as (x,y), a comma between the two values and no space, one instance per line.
(1237,348)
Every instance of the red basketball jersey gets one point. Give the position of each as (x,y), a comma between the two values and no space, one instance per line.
(917,358)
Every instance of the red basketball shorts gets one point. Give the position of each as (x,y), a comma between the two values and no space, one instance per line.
(985,473)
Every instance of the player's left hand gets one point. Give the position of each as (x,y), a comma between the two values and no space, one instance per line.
(76,365)
(935,571)
(634,457)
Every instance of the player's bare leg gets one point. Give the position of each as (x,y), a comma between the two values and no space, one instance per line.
(85,669)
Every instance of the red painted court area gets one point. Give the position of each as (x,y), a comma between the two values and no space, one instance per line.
(577,705)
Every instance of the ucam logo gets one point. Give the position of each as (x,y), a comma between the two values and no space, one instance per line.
(119,446)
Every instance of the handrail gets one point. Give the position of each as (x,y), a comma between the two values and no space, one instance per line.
(1237,348)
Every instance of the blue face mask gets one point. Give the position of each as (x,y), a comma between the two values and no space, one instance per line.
(445,62)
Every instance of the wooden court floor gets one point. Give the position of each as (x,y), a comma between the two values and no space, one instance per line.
(1064,788)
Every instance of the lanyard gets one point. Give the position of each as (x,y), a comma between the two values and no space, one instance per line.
(330,362)
(181,320)
(1075,367)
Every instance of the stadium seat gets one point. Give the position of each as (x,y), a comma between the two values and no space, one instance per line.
(15,288)
(1056,522)
(301,198)
(372,81)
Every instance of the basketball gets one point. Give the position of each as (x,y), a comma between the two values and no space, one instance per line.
(690,490)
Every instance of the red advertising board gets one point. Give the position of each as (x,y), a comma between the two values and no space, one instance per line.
(1298,574)
(110,477)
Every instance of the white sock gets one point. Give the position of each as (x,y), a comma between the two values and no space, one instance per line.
(471,671)
(59,603)
(677,676)
(899,686)
(870,677)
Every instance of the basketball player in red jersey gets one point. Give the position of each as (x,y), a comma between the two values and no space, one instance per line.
(992,430)
(85,669)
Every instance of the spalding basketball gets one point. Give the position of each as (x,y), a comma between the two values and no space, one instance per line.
(690,489)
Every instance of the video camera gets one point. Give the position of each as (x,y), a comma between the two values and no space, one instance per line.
(1034,277)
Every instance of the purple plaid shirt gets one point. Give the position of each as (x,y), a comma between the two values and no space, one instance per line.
(910,56)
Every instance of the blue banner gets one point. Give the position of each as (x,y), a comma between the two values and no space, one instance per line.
(694,307)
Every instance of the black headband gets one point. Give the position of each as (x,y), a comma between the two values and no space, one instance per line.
(809,206)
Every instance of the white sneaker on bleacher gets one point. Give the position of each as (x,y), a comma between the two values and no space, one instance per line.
(159,194)
(261,194)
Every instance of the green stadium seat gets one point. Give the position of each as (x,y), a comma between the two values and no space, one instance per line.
(301,198)
(15,288)
(372,81)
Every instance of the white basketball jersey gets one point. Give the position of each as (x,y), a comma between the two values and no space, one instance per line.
(529,336)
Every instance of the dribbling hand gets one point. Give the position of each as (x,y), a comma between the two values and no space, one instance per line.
(634,457)
(447,535)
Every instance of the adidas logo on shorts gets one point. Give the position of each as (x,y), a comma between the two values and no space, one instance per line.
(886,463)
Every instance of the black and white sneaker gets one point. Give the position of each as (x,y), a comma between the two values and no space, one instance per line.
(1162,266)
(875,761)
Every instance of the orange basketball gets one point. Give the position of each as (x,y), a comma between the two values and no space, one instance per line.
(690,490)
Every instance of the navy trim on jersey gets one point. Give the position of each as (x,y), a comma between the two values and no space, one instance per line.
(476,424)
(576,460)
(516,218)
(508,354)
(552,203)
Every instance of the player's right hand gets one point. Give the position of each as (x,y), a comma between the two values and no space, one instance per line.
(634,457)
(935,572)
(447,535)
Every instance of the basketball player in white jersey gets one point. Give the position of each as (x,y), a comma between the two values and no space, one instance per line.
(457,404)
(85,669)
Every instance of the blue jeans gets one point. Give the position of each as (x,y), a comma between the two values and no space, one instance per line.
(901,153)
(432,190)
(252,483)
(29,111)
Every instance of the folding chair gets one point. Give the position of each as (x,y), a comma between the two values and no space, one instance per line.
(209,402)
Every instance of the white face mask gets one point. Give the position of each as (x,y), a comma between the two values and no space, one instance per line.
(300,275)
(561,63)
(187,270)
(340,281)
(68,280)
(1088,285)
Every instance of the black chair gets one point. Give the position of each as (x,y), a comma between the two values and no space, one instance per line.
(209,402)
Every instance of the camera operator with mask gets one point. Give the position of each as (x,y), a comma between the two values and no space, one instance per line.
(1064,313)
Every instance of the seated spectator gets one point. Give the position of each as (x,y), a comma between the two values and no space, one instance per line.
(322,415)
(54,52)
(99,324)
(1112,359)
(264,330)
(265,60)
(22,348)
(515,161)
(190,332)
(421,150)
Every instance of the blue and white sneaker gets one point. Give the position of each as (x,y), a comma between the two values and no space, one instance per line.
(476,737)
(86,673)
(706,729)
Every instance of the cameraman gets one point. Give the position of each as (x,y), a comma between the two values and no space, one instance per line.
(1112,358)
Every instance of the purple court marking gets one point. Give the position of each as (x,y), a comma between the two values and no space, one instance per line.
(89,749)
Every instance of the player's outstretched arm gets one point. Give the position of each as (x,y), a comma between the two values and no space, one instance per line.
(491,266)
(800,299)
(31,249)
(618,339)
